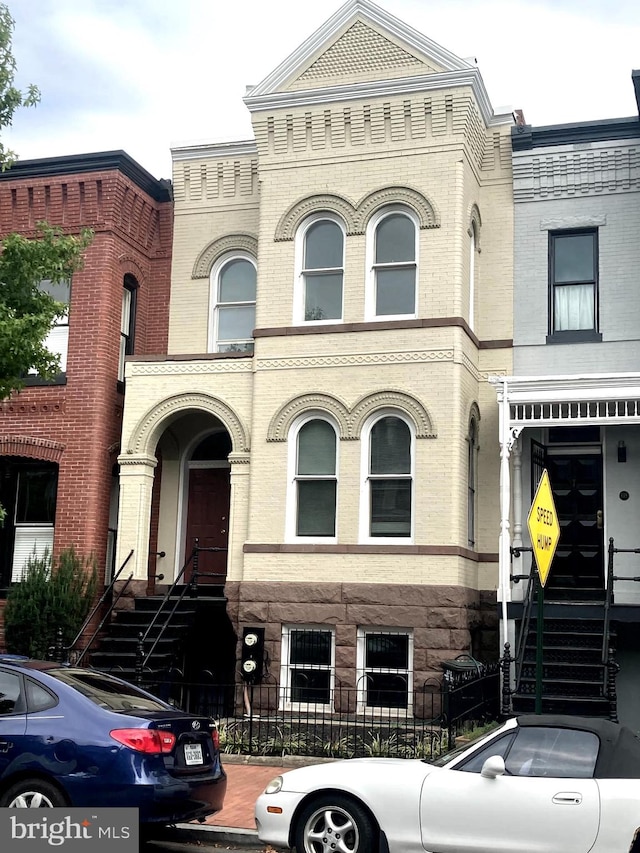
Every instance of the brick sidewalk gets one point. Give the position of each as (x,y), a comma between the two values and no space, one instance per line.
(245,783)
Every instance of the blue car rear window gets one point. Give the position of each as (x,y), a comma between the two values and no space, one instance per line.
(107,692)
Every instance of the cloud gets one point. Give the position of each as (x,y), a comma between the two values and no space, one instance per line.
(145,74)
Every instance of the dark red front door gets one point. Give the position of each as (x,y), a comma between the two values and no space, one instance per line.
(208,521)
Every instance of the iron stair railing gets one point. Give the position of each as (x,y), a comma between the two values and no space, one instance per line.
(523,633)
(142,657)
(68,650)
(611,667)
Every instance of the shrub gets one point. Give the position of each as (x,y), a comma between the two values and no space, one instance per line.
(49,598)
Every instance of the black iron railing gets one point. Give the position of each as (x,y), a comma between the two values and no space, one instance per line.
(261,719)
(107,595)
(523,632)
(171,604)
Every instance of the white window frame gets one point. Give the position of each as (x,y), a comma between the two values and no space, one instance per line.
(473,241)
(370,295)
(127,321)
(365,498)
(472,483)
(299,282)
(214,304)
(57,338)
(286,670)
(292,479)
(362,669)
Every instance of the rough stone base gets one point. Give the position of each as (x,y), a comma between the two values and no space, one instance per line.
(446,620)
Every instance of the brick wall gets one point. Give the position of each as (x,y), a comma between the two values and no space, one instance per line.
(78,424)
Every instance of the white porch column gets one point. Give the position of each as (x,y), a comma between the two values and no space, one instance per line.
(504,547)
(238,513)
(134,513)
(518,562)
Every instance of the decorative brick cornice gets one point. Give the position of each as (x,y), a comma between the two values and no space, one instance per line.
(193,365)
(565,172)
(16,406)
(34,448)
(355,359)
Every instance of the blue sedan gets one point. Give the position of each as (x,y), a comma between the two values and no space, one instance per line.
(77,737)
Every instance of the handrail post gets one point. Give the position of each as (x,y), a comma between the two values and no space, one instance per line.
(193,583)
(612,671)
(139,658)
(505,666)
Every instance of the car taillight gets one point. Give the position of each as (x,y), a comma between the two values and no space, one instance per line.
(215,737)
(149,741)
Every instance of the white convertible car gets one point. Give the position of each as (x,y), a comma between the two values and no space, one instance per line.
(537,784)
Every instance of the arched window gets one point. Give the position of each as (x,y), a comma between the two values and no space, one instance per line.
(320,251)
(393,257)
(314,482)
(472,446)
(472,274)
(233,300)
(387,505)
(127,321)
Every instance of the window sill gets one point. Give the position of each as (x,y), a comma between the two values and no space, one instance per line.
(32,380)
(578,336)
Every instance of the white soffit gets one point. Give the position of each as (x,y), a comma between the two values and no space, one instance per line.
(570,388)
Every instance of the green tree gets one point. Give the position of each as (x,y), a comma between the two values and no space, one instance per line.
(49,598)
(26,312)
(11,98)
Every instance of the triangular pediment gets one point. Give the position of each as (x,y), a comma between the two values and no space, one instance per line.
(360,43)
(360,54)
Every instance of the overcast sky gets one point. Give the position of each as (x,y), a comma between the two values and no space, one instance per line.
(143,75)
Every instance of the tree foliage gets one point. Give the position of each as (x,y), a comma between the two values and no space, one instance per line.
(46,599)
(26,312)
(11,98)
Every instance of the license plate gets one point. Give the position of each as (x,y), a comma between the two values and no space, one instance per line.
(192,753)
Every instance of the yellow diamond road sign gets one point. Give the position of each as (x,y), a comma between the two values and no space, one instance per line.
(544,528)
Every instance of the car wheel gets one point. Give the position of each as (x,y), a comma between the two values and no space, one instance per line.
(33,794)
(334,824)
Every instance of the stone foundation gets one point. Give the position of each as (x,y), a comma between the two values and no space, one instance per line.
(446,620)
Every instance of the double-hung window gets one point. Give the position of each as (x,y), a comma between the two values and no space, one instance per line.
(385,669)
(472,444)
(233,300)
(321,270)
(573,284)
(57,340)
(387,496)
(127,321)
(308,661)
(34,513)
(392,246)
(314,483)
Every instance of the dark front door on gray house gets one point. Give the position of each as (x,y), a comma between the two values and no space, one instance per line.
(576,481)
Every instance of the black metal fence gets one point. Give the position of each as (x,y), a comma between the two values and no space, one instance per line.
(262,719)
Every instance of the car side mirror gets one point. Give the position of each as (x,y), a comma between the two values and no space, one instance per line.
(493,766)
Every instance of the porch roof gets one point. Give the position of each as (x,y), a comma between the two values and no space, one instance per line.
(596,399)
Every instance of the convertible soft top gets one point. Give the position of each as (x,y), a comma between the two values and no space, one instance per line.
(619,754)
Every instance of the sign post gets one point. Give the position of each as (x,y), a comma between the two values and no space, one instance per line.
(544,530)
